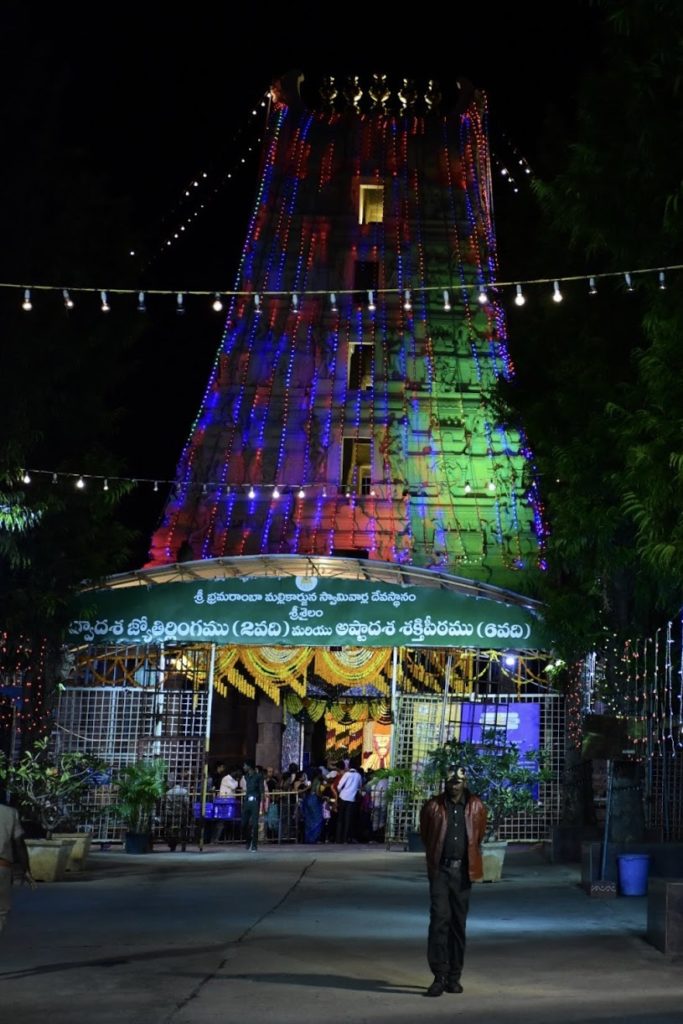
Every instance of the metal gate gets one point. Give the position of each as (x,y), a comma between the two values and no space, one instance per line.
(424,721)
(128,704)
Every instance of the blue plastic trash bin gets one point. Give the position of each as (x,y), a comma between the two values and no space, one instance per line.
(633,872)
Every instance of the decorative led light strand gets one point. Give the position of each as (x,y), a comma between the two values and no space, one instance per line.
(517,161)
(198,185)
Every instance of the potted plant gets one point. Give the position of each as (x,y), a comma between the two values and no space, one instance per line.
(140,787)
(50,790)
(407,790)
(505,778)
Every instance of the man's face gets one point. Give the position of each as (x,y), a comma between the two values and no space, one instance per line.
(455,782)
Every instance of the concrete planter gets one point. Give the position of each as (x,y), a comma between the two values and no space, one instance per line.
(81,848)
(48,858)
(493,855)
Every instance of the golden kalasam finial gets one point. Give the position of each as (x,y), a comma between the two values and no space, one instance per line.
(328,92)
(353,92)
(407,94)
(379,93)
(433,95)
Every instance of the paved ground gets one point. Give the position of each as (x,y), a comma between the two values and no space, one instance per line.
(321,934)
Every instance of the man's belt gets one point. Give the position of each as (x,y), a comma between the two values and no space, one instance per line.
(451,862)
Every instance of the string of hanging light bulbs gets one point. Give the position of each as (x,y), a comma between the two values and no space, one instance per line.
(481,290)
(376,489)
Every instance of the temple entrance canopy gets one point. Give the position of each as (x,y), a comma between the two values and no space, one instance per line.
(303,601)
(381,661)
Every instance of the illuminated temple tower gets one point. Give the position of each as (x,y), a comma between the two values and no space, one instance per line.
(348,411)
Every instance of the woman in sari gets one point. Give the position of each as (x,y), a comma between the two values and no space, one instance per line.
(312,810)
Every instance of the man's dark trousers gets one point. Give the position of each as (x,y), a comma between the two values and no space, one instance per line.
(346,820)
(250,809)
(449,900)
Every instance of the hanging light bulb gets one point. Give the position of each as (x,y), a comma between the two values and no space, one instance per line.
(252,494)
(333,302)
(468,487)
(27,305)
(54,478)
(662,281)
(105,485)
(295,301)
(491,486)
(180,304)
(68,301)
(629,282)
(276,493)
(156,486)
(482,297)
(557,294)
(446,302)
(324,492)
(592,286)
(371,302)
(26,477)
(519,297)
(105,302)
(217,305)
(407,304)
(142,308)
(80,483)
(257,303)
(302,493)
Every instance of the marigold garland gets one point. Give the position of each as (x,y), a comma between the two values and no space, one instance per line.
(351,666)
(275,666)
(236,679)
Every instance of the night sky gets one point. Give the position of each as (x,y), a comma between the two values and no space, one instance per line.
(110,113)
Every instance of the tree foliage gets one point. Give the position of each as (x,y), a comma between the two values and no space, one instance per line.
(600,385)
(497,771)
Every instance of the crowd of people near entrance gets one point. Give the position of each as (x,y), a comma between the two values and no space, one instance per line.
(331,803)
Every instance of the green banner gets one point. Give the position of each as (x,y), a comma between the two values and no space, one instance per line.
(300,611)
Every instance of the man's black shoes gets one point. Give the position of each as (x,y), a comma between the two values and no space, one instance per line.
(443,984)
(437,987)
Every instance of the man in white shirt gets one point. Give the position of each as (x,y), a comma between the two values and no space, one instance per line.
(12,846)
(347,790)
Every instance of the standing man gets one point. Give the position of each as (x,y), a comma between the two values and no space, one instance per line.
(253,795)
(452,826)
(12,847)
(347,787)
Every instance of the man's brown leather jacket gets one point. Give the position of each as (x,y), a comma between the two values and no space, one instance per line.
(433,823)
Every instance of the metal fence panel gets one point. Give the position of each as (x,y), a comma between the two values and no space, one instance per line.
(423,721)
